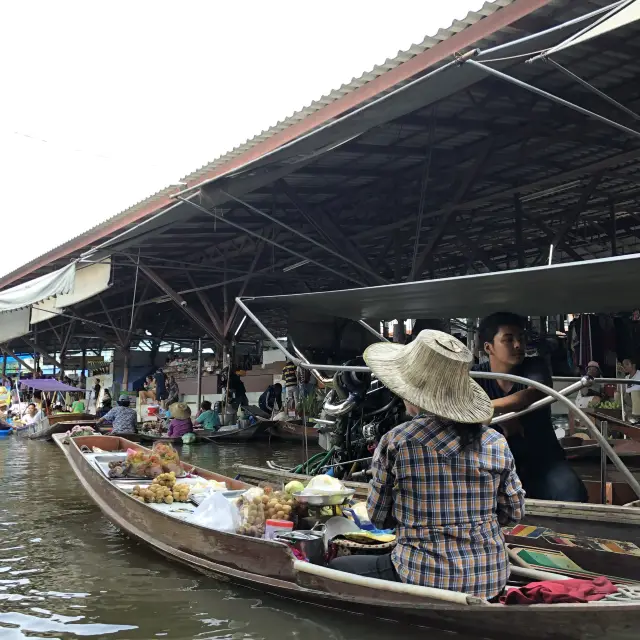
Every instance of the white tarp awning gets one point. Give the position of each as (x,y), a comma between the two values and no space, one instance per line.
(89,281)
(619,17)
(34,291)
(14,324)
(48,296)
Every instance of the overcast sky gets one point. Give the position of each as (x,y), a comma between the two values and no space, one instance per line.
(104,103)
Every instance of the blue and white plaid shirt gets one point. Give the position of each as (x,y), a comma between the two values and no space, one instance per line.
(447,504)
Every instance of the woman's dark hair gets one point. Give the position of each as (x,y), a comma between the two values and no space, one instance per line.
(468,433)
(206,405)
(32,404)
(123,403)
(490,325)
(276,385)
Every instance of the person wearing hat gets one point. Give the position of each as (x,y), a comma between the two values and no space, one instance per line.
(122,417)
(443,480)
(591,396)
(180,422)
(540,460)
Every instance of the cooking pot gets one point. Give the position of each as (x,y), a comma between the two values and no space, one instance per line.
(308,542)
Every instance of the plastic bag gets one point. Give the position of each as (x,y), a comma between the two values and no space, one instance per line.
(252,513)
(216,512)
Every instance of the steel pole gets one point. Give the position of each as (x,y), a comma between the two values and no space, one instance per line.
(552,97)
(604,430)
(486,375)
(271,242)
(199,372)
(584,419)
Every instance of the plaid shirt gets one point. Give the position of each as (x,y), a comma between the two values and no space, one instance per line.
(446,504)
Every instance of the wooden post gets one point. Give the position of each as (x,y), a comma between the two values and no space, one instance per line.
(4,363)
(83,363)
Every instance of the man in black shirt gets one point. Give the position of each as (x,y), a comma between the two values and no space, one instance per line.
(540,460)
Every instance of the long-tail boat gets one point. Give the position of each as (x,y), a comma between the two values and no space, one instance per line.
(271,567)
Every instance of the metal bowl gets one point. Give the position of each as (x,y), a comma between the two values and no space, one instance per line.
(324,499)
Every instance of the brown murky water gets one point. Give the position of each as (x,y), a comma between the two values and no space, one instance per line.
(66,572)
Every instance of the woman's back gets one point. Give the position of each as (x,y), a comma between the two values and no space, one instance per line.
(448,502)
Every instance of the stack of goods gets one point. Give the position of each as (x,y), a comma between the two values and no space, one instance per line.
(163,489)
(153,428)
(79,430)
(258,506)
(142,464)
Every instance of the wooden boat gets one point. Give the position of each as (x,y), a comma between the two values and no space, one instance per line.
(576,449)
(291,431)
(270,566)
(47,430)
(148,437)
(235,433)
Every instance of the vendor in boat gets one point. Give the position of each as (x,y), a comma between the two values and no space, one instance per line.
(591,396)
(271,398)
(4,416)
(443,480)
(180,422)
(32,415)
(208,418)
(540,460)
(122,417)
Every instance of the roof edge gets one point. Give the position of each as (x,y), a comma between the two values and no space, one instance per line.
(501,18)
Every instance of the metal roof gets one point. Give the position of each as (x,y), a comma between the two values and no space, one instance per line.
(462,170)
(539,291)
(309,117)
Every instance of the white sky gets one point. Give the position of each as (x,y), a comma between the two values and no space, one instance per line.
(104,103)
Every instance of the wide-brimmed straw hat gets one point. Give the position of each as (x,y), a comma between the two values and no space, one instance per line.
(180,410)
(432,373)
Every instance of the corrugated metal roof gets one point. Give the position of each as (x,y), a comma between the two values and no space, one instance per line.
(197,176)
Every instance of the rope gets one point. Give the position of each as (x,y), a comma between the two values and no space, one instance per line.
(625,593)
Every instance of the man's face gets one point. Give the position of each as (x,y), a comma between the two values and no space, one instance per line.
(508,346)
(627,365)
(592,371)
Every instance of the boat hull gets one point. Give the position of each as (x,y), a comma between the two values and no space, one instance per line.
(270,567)
(61,426)
(241,434)
(292,432)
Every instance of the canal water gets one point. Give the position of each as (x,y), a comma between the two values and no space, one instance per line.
(66,572)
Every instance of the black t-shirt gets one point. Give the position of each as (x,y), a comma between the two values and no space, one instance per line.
(539,444)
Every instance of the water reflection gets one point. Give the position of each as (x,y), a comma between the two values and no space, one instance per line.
(66,572)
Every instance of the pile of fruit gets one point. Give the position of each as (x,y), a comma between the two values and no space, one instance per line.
(163,489)
(277,504)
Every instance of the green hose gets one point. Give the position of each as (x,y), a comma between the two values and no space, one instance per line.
(305,467)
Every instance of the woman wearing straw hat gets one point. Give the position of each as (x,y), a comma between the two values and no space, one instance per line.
(444,481)
(180,420)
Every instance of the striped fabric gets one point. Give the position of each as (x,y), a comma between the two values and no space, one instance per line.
(290,374)
(447,504)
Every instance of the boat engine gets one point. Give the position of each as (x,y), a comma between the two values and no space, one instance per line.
(357,412)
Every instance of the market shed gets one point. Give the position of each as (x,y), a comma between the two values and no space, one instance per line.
(435,164)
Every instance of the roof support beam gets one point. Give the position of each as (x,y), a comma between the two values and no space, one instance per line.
(234,311)
(208,307)
(448,211)
(45,356)
(341,275)
(325,223)
(119,338)
(365,268)
(574,212)
(17,358)
(180,302)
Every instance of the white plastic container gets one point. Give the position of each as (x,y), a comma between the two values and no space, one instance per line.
(275,528)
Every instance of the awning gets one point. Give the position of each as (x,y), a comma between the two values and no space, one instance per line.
(47,384)
(47,296)
(39,289)
(594,286)
(619,17)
